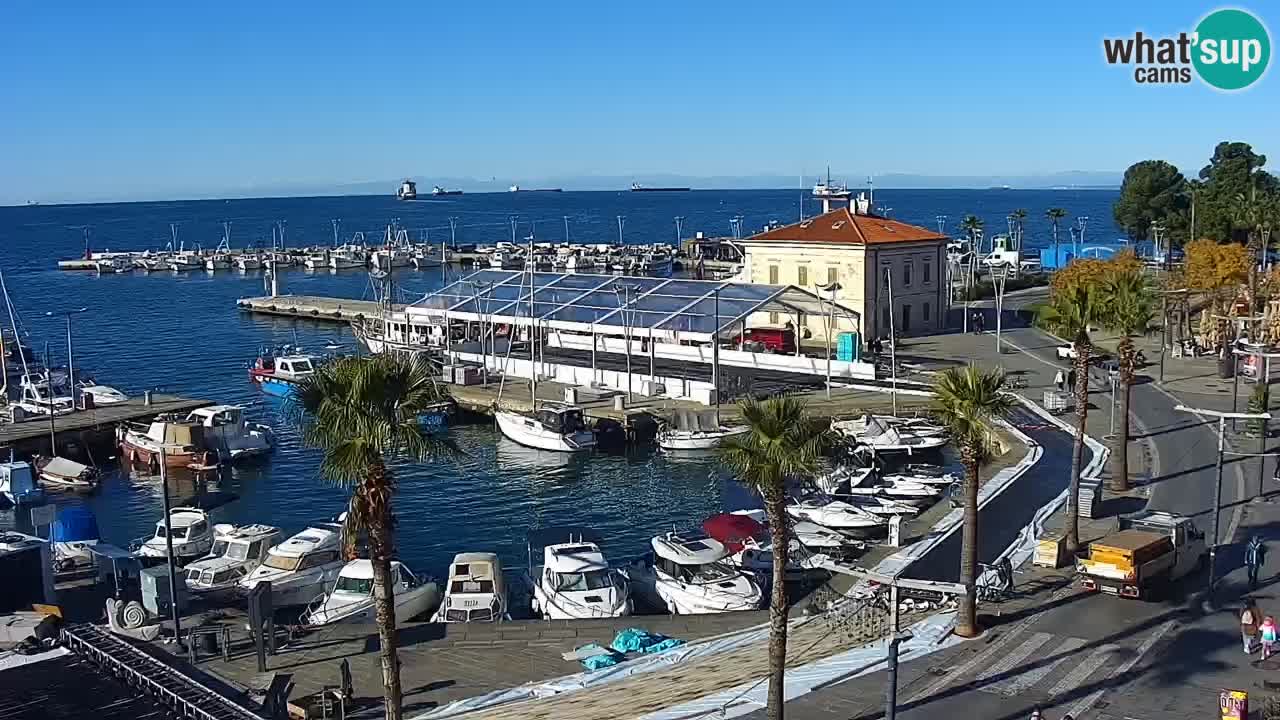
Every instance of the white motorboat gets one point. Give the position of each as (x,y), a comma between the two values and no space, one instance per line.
(218,261)
(352,595)
(64,474)
(425,260)
(553,426)
(574,580)
(860,425)
(248,262)
(41,396)
(237,551)
(225,431)
(506,260)
(102,394)
(941,479)
(18,484)
(112,265)
(192,537)
(837,515)
(347,257)
(301,568)
(811,535)
(907,492)
(186,261)
(689,575)
(475,591)
(751,546)
(158,262)
(842,478)
(881,438)
(317,261)
(672,439)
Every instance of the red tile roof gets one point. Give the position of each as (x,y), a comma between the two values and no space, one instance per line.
(844,227)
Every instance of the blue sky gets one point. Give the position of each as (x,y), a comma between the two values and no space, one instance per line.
(172,99)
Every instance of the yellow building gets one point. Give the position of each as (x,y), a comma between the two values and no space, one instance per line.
(864,256)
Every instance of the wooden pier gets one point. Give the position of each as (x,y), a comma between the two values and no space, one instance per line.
(85,426)
(313,307)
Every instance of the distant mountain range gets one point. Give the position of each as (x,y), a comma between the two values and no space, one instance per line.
(1079,179)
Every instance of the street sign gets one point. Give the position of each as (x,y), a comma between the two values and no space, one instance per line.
(43,514)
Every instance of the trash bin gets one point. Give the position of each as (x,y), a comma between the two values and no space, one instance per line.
(1227,367)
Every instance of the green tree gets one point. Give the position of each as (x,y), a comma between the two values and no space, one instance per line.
(1234,170)
(1055,216)
(1128,309)
(784,443)
(363,412)
(1071,312)
(972,227)
(967,401)
(1152,191)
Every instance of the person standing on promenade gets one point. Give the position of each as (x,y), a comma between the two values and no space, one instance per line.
(1250,618)
(1268,631)
(1060,380)
(1255,553)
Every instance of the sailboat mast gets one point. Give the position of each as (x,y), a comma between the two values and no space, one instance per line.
(715,356)
(533,368)
(13,323)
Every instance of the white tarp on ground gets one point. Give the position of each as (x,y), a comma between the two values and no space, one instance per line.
(10,660)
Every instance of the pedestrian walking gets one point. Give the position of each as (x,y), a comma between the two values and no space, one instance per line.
(1268,630)
(1071,379)
(1255,553)
(982,323)
(1060,380)
(1250,618)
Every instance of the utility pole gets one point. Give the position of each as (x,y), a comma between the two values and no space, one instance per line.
(998,276)
(831,321)
(168,547)
(1217,493)
(893,344)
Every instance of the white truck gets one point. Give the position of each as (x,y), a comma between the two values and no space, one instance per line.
(1150,551)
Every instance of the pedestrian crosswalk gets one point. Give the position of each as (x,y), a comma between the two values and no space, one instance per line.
(1070,673)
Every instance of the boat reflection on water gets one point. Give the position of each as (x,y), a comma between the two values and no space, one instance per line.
(520,459)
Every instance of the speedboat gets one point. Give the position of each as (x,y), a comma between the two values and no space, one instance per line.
(672,439)
(902,491)
(301,568)
(225,431)
(574,580)
(811,535)
(279,375)
(882,438)
(102,394)
(237,551)
(554,426)
(75,531)
(192,537)
(940,479)
(64,474)
(880,505)
(751,546)
(352,595)
(841,516)
(689,576)
(475,590)
(18,484)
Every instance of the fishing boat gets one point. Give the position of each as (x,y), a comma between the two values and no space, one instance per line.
(301,568)
(221,258)
(248,262)
(574,580)
(191,537)
(63,474)
(279,375)
(18,484)
(351,598)
(475,590)
(690,576)
(112,265)
(218,429)
(186,261)
(316,260)
(347,257)
(159,262)
(236,552)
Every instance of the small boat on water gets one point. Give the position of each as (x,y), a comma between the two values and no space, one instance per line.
(158,262)
(811,535)
(553,426)
(112,265)
(690,576)
(347,257)
(247,262)
(316,260)
(880,437)
(236,552)
(351,598)
(63,474)
(697,431)
(475,590)
(186,261)
(837,515)
(18,484)
(278,375)
(43,394)
(101,394)
(192,537)
(751,546)
(218,429)
(301,568)
(861,425)
(408,190)
(574,580)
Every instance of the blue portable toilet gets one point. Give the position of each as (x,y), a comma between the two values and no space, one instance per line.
(848,347)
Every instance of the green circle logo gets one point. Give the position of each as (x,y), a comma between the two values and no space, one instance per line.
(1232,49)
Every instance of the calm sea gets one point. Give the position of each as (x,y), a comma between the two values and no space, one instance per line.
(183,334)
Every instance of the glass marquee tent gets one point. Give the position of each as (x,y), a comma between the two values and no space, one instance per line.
(678,309)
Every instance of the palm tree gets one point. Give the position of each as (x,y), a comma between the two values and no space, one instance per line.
(1071,312)
(784,444)
(1128,311)
(363,413)
(972,226)
(1019,218)
(967,400)
(1055,216)
(1250,212)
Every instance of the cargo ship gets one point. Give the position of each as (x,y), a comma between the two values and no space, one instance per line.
(637,187)
(437,190)
(408,190)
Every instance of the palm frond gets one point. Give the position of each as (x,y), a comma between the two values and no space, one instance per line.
(784,442)
(968,400)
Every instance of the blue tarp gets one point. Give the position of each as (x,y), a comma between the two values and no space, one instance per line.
(75,523)
(630,640)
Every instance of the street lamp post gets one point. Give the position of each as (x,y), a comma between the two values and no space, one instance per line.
(168,550)
(1217,493)
(999,274)
(831,321)
(625,291)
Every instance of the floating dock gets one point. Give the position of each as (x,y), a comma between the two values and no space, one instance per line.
(314,307)
(87,426)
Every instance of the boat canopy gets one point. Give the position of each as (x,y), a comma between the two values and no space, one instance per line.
(63,467)
(733,530)
(646,306)
(689,549)
(561,534)
(75,523)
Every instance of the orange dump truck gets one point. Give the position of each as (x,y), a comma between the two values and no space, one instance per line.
(1152,550)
